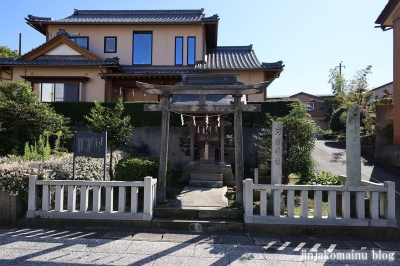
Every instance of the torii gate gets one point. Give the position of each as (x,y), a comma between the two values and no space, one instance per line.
(207,87)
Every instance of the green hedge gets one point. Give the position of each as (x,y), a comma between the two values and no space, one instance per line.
(76,111)
(137,168)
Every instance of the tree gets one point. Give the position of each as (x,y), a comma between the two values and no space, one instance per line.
(7,52)
(337,82)
(102,119)
(299,132)
(354,91)
(23,118)
(332,105)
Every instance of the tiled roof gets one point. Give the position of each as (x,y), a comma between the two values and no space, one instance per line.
(322,96)
(234,57)
(187,16)
(66,35)
(159,69)
(56,61)
(278,64)
(382,86)
(130,16)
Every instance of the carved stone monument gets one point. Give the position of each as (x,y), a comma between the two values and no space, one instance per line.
(353,147)
(276,153)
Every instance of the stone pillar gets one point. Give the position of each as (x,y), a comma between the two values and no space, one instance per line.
(162,171)
(238,131)
(222,141)
(353,147)
(276,153)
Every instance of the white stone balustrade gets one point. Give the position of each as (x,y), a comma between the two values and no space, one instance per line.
(381,199)
(89,195)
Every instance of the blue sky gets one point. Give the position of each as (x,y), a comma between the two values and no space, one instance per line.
(309,36)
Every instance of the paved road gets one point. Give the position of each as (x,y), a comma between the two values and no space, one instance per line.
(102,247)
(331,157)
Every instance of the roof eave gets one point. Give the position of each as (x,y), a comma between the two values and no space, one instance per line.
(53,43)
(37,26)
(385,14)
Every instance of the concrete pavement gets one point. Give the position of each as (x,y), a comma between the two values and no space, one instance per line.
(41,246)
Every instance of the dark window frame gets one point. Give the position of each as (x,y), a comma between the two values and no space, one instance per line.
(194,50)
(181,50)
(105,44)
(133,48)
(64,88)
(81,37)
(311,106)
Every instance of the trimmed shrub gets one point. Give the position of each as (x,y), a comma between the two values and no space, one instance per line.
(136,169)
(336,125)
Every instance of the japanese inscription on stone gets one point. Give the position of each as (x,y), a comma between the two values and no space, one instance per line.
(353,147)
(276,156)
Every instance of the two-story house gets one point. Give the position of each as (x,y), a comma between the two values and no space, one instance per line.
(100,54)
(315,106)
(380,91)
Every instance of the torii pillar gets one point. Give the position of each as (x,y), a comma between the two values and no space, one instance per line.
(162,170)
(238,132)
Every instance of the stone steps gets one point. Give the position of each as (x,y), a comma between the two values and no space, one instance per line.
(200,209)
(206,176)
(198,225)
(199,213)
(206,180)
(206,183)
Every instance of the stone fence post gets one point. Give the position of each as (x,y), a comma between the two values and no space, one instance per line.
(32,194)
(148,198)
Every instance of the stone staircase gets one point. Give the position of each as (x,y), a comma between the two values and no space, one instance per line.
(202,206)
(199,209)
(200,220)
(206,180)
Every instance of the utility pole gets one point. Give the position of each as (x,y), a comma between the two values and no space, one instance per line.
(20,45)
(340,67)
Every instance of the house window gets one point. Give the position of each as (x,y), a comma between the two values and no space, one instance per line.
(142,48)
(59,92)
(191,50)
(178,50)
(110,44)
(81,41)
(310,106)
